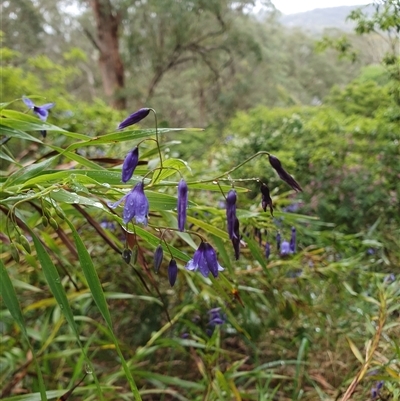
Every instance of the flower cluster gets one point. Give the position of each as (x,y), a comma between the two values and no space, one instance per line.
(205,257)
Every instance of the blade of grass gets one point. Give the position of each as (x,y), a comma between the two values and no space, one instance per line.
(98,295)
(10,299)
(54,281)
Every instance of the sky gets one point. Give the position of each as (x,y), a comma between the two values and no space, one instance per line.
(299,6)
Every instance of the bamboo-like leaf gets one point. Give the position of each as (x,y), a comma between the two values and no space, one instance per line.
(98,295)
(16,133)
(10,299)
(54,281)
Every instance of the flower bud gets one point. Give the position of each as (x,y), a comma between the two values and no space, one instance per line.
(126,255)
(25,243)
(130,163)
(172,272)
(14,253)
(45,221)
(53,223)
(134,118)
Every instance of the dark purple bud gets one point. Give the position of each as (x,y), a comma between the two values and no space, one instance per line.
(278,241)
(236,239)
(379,385)
(130,163)
(283,174)
(231,212)
(44,133)
(267,250)
(266,199)
(293,241)
(172,272)
(134,118)
(126,255)
(158,257)
(182,204)
(211,259)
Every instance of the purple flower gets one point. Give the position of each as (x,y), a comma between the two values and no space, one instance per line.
(41,111)
(172,272)
(216,318)
(205,259)
(130,163)
(293,241)
(285,248)
(134,118)
(158,257)
(136,205)
(283,174)
(182,204)
(231,212)
(267,250)
(266,199)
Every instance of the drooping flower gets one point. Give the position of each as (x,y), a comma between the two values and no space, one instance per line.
(136,205)
(158,257)
(134,118)
(293,241)
(205,260)
(41,111)
(182,204)
(216,318)
(236,238)
(283,174)
(285,248)
(231,212)
(266,199)
(172,272)
(130,163)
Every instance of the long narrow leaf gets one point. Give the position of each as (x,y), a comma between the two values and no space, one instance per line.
(10,299)
(100,300)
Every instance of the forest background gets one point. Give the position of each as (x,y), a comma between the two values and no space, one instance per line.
(84,315)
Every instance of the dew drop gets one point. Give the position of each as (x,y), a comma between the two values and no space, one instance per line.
(88,370)
(58,280)
(61,306)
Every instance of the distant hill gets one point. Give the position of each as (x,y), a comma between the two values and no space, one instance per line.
(315,21)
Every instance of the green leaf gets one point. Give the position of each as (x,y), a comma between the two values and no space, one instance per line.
(54,281)
(10,299)
(16,133)
(98,295)
(25,173)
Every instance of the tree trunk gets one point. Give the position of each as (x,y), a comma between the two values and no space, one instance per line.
(110,63)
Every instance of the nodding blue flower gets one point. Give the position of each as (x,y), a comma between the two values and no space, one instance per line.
(293,241)
(267,250)
(41,111)
(285,248)
(158,257)
(216,318)
(231,212)
(283,174)
(172,272)
(134,118)
(130,163)
(278,241)
(205,260)
(182,204)
(136,205)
